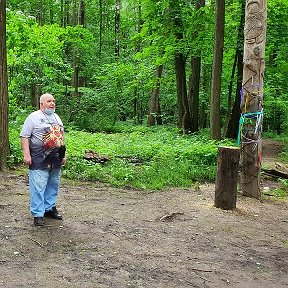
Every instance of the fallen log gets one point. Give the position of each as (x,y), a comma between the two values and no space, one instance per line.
(275,173)
(93,156)
(279,170)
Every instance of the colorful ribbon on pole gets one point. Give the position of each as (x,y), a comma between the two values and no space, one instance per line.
(255,119)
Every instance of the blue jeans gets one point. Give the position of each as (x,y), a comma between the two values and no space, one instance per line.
(44,187)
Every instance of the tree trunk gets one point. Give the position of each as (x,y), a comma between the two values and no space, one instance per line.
(203,115)
(117,30)
(184,116)
(154,111)
(74,12)
(233,116)
(193,92)
(66,17)
(4,134)
(184,119)
(51,11)
(41,13)
(233,125)
(81,13)
(252,97)
(75,74)
(139,27)
(62,13)
(81,22)
(100,29)
(229,98)
(215,113)
(227,177)
(194,82)
(137,112)
(35,94)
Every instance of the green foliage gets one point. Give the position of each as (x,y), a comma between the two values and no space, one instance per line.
(92,111)
(35,56)
(276,80)
(43,58)
(40,56)
(142,158)
(16,155)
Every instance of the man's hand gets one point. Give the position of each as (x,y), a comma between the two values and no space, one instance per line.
(26,151)
(64,160)
(27,160)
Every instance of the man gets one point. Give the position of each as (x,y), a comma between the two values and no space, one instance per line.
(42,140)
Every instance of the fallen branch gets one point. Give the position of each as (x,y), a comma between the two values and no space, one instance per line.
(200,270)
(170,217)
(37,242)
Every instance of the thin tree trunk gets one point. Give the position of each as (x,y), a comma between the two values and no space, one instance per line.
(154,111)
(229,98)
(232,119)
(215,113)
(77,81)
(233,126)
(51,11)
(66,13)
(184,116)
(62,13)
(252,97)
(35,94)
(182,99)
(193,92)
(74,12)
(75,77)
(41,13)
(194,82)
(203,115)
(81,13)
(136,110)
(100,29)
(139,27)
(4,134)
(81,22)
(117,29)
(75,74)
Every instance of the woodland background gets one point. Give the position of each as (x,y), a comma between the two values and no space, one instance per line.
(122,66)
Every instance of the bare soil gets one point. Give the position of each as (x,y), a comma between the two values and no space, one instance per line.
(124,238)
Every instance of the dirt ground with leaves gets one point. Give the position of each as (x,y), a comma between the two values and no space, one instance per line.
(124,238)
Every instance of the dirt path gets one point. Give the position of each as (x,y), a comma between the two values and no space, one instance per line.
(124,238)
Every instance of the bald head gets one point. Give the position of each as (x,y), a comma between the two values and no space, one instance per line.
(44,97)
(47,101)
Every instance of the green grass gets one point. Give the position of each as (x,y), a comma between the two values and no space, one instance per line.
(143,158)
(278,193)
(140,157)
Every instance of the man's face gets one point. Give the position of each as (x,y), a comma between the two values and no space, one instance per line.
(48,102)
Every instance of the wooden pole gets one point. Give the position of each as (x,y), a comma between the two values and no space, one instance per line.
(227,177)
(250,128)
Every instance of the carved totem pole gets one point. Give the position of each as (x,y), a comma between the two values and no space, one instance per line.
(250,127)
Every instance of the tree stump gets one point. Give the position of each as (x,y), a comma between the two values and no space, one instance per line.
(227,177)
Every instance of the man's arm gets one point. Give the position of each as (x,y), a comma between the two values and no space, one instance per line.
(26,151)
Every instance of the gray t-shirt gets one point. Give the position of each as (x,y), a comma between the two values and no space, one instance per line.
(46,135)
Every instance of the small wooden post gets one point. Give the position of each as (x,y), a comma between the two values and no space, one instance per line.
(227,177)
